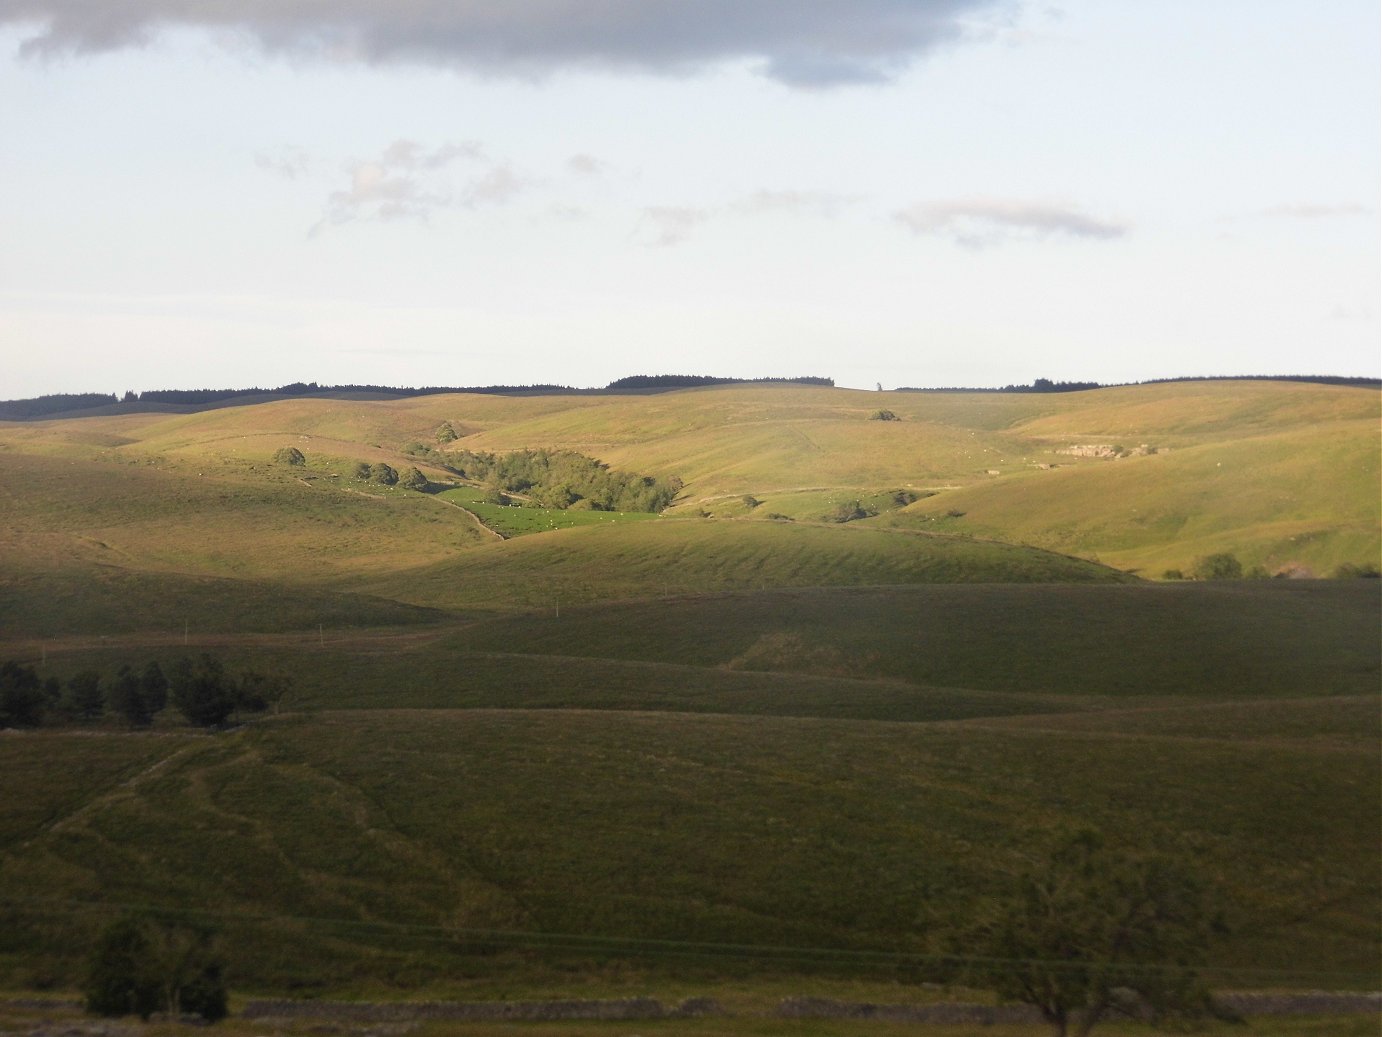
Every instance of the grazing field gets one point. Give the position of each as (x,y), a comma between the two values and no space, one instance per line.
(741,747)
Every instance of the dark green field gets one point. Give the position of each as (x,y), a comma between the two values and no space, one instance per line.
(826,771)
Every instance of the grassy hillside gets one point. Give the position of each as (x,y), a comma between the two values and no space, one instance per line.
(1303,498)
(509,765)
(309,842)
(816,769)
(671,556)
(1282,474)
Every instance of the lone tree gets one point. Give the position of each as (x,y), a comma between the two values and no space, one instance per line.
(144,964)
(1091,932)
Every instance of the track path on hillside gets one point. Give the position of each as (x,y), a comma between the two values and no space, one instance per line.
(379,639)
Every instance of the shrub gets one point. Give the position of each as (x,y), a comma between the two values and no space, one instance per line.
(383,474)
(361,471)
(413,480)
(202,694)
(290,455)
(1173,574)
(445,433)
(1350,571)
(142,964)
(883,415)
(1220,566)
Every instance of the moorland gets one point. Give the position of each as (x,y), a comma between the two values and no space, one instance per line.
(789,732)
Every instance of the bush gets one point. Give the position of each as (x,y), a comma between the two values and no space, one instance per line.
(1173,574)
(883,415)
(142,964)
(360,471)
(202,694)
(445,433)
(1350,571)
(1221,566)
(413,480)
(383,474)
(290,455)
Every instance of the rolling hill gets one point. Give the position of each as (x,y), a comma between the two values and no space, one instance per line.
(740,741)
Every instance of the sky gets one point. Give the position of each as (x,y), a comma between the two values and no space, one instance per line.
(239,193)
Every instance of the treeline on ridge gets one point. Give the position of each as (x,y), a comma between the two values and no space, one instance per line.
(59,403)
(1047,385)
(564,479)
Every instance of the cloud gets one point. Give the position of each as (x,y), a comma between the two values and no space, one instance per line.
(404,183)
(807,44)
(1315,212)
(289,163)
(498,185)
(664,225)
(586,165)
(802,203)
(980,222)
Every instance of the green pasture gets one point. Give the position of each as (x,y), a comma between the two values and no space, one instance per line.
(514,520)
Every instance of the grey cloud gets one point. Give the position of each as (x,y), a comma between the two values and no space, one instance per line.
(664,225)
(587,165)
(976,223)
(809,44)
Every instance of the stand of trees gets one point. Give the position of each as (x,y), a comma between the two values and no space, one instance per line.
(564,479)
(203,692)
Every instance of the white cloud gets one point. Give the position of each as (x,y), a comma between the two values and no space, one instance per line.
(802,203)
(1305,211)
(289,163)
(405,182)
(664,225)
(980,222)
(811,44)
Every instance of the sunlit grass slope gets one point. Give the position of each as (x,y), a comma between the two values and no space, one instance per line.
(274,522)
(1308,497)
(1282,474)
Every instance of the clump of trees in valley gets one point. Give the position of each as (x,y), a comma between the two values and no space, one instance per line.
(564,479)
(204,692)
